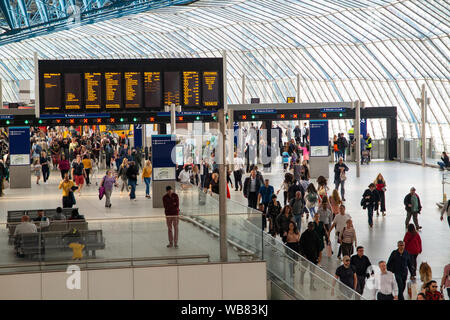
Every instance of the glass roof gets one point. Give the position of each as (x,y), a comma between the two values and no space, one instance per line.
(379,51)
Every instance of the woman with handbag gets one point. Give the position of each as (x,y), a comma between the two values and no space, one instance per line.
(381,188)
(107,184)
(339,176)
(346,239)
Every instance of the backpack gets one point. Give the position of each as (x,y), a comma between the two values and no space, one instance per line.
(312,197)
(38,149)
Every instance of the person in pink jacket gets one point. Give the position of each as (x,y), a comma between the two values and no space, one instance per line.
(413,244)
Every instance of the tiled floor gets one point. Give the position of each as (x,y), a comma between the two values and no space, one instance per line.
(140,226)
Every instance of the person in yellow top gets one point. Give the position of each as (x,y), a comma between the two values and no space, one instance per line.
(147,177)
(66,186)
(77,250)
(87,163)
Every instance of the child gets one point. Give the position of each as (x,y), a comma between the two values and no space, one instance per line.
(37,170)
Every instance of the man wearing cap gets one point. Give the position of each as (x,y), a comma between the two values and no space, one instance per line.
(413,207)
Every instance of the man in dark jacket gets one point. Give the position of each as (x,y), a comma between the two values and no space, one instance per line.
(371,198)
(360,263)
(310,244)
(296,186)
(412,207)
(342,145)
(252,185)
(132,173)
(309,248)
(399,262)
(172,211)
(340,168)
(2,176)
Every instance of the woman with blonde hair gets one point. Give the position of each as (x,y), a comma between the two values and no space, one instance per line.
(335,201)
(147,177)
(380,183)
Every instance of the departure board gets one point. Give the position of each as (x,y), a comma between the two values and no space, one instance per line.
(210,88)
(191,88)
(72,91)
(171,88)
(129,88)
(113,90)
(93,90)
(152,90)
(52,91)
(133,90)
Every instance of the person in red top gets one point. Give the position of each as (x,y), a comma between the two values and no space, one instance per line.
(413,244)
(380,183)
(431,292)
(172,210)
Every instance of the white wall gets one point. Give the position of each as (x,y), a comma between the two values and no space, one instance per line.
(242,281)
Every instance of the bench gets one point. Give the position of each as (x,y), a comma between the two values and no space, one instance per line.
(31,244)
(55,225)
(16,215)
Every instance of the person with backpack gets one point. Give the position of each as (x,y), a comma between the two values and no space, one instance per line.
(311,198)
(342,145)
(370,199)
(297,205)
(412,207)
(339,176)
(446,209)
(413,244)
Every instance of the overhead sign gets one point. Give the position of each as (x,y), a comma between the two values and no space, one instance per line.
(332,110)
(290,100)
(262,111)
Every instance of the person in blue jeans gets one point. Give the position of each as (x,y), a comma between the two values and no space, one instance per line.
(132,174)
(445,163)
(265,194)
(147,177)
(370,199)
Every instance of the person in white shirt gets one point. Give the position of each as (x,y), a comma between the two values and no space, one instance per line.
(185,177)
(339,222)
(385,284)
(25,226)
(238,170)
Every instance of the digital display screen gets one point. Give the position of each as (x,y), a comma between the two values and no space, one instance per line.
(72,91)
(129,87)
(93,90)
(113,90)
(152,90)
(191,88)
(171,88)
(52,91)
(133,90)
(210,89)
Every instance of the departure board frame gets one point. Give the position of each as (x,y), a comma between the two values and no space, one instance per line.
(142,67)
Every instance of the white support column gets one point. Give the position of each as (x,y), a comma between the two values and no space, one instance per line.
(298,88)
(222,187)
(36,86)
(173,122)
(243,89)
(357,106)
(1,95)
(423,107)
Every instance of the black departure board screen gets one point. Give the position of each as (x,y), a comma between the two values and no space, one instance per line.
(113,90)
(191,88)
(152,89)
(93,90)
(72,91)
(171,88)
(133,90)
(52,91)
(210,88)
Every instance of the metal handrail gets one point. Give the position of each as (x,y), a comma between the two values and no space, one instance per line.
(43,263)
